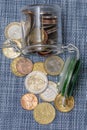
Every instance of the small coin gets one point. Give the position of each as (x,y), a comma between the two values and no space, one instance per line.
(45,52)
(29,101)
(38,36)
(54,65)
(36,82)
(44,113)
(50,93)
(51,30)
(68,105)
(45,13)
(39,66)
(24,65)
(49,17)
(13,67)
(49,21)
(13,31)
(10,52)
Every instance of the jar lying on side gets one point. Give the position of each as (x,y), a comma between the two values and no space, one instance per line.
(41,28)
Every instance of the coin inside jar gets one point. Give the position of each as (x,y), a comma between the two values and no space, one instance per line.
(24,65)
(29,101)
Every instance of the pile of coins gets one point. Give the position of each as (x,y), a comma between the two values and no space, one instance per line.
(36,81)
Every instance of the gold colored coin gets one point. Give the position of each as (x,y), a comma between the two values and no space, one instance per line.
(14,69)
(44,113)
(39,66)
(10,52)
(13,31)
(54,65)
(69,103)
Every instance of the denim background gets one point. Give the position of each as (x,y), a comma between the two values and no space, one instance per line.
(74,26)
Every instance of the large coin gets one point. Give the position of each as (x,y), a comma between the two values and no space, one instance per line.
(54,65)
(64,107)
(13,67)
(39,66)
(24,65)
(36,82)
(10,52)
(29,101)
(44,113)
(50,93)
(13,31)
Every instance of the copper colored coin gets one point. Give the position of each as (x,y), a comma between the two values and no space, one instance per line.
(29,101)
(44,53)
(49,21)
(24,66)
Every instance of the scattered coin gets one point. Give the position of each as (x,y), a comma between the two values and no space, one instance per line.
(24,65)
(29,101)
(13,31)
(69,103)
(10,52)
(44,113)
(54,65)
(36,82)
(50,93)
(13,67)
(39,66)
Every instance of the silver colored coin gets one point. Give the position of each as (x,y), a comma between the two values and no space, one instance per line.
(54,65)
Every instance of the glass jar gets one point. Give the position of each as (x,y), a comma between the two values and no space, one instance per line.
(41,28)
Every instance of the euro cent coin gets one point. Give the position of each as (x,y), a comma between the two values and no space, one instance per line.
(36,82)
(13,31)
(29,101)
(50,93)
(54,65)
(44,113)
(69,103)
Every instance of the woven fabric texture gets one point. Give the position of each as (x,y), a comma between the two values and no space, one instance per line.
(74,30)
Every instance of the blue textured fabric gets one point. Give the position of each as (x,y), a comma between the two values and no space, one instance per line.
(74,26)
